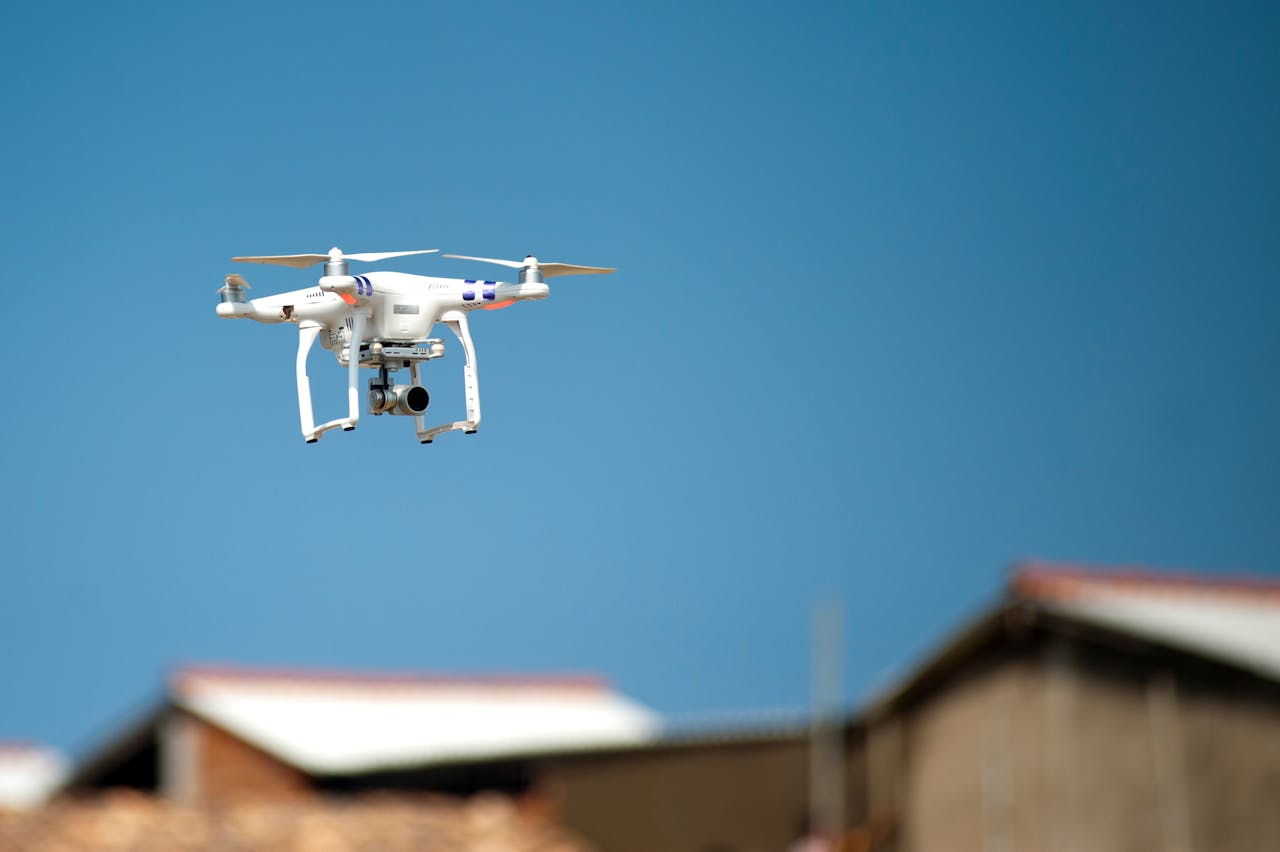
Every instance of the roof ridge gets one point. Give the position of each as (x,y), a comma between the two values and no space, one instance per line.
(1042,579)
(184,674)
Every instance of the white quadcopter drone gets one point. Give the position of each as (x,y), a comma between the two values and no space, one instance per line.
(382,321)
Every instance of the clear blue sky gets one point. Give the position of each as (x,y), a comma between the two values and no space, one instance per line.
(903,295)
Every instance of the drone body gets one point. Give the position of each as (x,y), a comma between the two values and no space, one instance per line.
(383,321)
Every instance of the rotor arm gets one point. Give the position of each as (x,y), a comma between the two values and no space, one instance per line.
(457,322)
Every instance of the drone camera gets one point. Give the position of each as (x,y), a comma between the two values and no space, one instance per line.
(411,400)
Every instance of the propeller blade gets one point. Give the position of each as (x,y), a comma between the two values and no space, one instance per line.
(302,261)
(297,261)
(514,264)
(552,269)
(548,270)
(235,280)
(369,257)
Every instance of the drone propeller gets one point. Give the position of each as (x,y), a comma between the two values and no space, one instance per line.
(335,255)
(533,270)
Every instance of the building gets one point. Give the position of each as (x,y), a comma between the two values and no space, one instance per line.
(1085,710)
(1099,710)
(229,733)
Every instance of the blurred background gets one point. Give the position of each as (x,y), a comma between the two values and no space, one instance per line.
(904,296)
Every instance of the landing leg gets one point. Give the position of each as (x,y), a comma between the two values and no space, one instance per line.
(457,321)
(353,372)
(307,333)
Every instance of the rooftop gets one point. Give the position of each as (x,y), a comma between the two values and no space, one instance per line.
(329,723)
(1234,620)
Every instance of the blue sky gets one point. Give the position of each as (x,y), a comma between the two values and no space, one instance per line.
(903,295)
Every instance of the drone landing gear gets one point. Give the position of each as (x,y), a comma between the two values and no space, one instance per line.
(307,332)
(386,358)
(457,322)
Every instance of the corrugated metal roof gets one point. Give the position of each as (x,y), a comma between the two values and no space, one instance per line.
(337,723)
(1232,620)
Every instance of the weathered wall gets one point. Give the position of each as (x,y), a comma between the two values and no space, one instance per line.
(1232,751)
(1064,745)
(733,795)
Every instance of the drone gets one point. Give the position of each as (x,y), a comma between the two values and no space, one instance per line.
(382,321)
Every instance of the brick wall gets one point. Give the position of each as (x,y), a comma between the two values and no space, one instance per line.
(203,763)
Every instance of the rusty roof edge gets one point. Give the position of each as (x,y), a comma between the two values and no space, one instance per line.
(182,675)
(1032,577)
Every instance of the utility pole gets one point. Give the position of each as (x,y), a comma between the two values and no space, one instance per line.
(826,733)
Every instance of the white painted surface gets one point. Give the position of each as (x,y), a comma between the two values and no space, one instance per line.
(1230,627)
(28,774)
(344,725)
